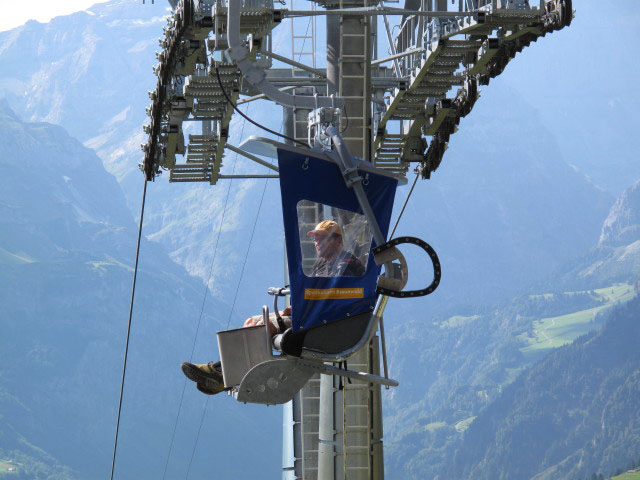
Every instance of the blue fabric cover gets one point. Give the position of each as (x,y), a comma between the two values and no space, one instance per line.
(320,181)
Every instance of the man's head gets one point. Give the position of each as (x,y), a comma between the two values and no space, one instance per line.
(327,237)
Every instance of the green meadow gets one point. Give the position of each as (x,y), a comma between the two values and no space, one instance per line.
(554,332)
(627,476)
(7,468)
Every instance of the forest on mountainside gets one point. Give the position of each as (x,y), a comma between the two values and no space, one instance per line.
(485,354)
(573,413)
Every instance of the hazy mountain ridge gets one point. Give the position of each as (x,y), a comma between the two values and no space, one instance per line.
(622,225)
(616,256)
(491,201)
(103,104)
(68,244)
(75,78)
(508,196)
(478,356)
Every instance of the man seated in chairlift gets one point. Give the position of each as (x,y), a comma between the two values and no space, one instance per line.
(332,261)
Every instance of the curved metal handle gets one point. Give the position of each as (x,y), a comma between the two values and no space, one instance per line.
(278,292)
(265,320)
(396,275)
(384,250)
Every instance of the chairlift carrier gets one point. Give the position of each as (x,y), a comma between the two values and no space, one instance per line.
(332,316)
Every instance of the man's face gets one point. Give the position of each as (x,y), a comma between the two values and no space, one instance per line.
(327,246)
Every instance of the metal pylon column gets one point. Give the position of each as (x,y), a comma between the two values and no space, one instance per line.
(354,79)
(357,423)
(303,49)
(304,412)
(338,425)
(350,426)
(357,412)
(305,406)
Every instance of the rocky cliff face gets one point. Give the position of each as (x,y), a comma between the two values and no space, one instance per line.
(622,225)
(89,72)
(616,256)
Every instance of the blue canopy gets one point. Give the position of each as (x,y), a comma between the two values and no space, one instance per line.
(306,180)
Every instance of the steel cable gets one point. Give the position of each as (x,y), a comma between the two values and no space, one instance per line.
(204,299)
(184,386)
(255,222)
(234,106)
(231,313)
(406,200)
(126,348)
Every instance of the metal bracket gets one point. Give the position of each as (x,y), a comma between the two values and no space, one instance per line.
(318,121)
(399,274)
(277,381)
(380,254)
(273,382)
(256,76)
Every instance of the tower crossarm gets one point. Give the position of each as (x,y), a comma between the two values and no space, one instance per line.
(196,83)
(461,52)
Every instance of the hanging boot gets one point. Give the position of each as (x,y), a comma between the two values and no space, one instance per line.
(208,376)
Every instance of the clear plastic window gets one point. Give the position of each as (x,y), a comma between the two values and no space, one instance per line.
(333,242)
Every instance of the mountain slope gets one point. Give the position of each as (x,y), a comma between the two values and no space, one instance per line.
(577,80)
(454,368)
(617,254)
(472,355)
(491,201)
(68,244)
(572,414)
(504,209)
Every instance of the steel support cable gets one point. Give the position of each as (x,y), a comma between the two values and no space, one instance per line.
(235,298)
(204,299)
(244,264)
(224,212)
(217,240)
(230,102)
(126,347)
(384,349)
(204,414)
(184,386)
(255,222)
(406,200)
(304,42)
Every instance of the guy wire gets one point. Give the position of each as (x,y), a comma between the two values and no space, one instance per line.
(233,304)
(206,291)
(406,200)
(224,212)
(126,348)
